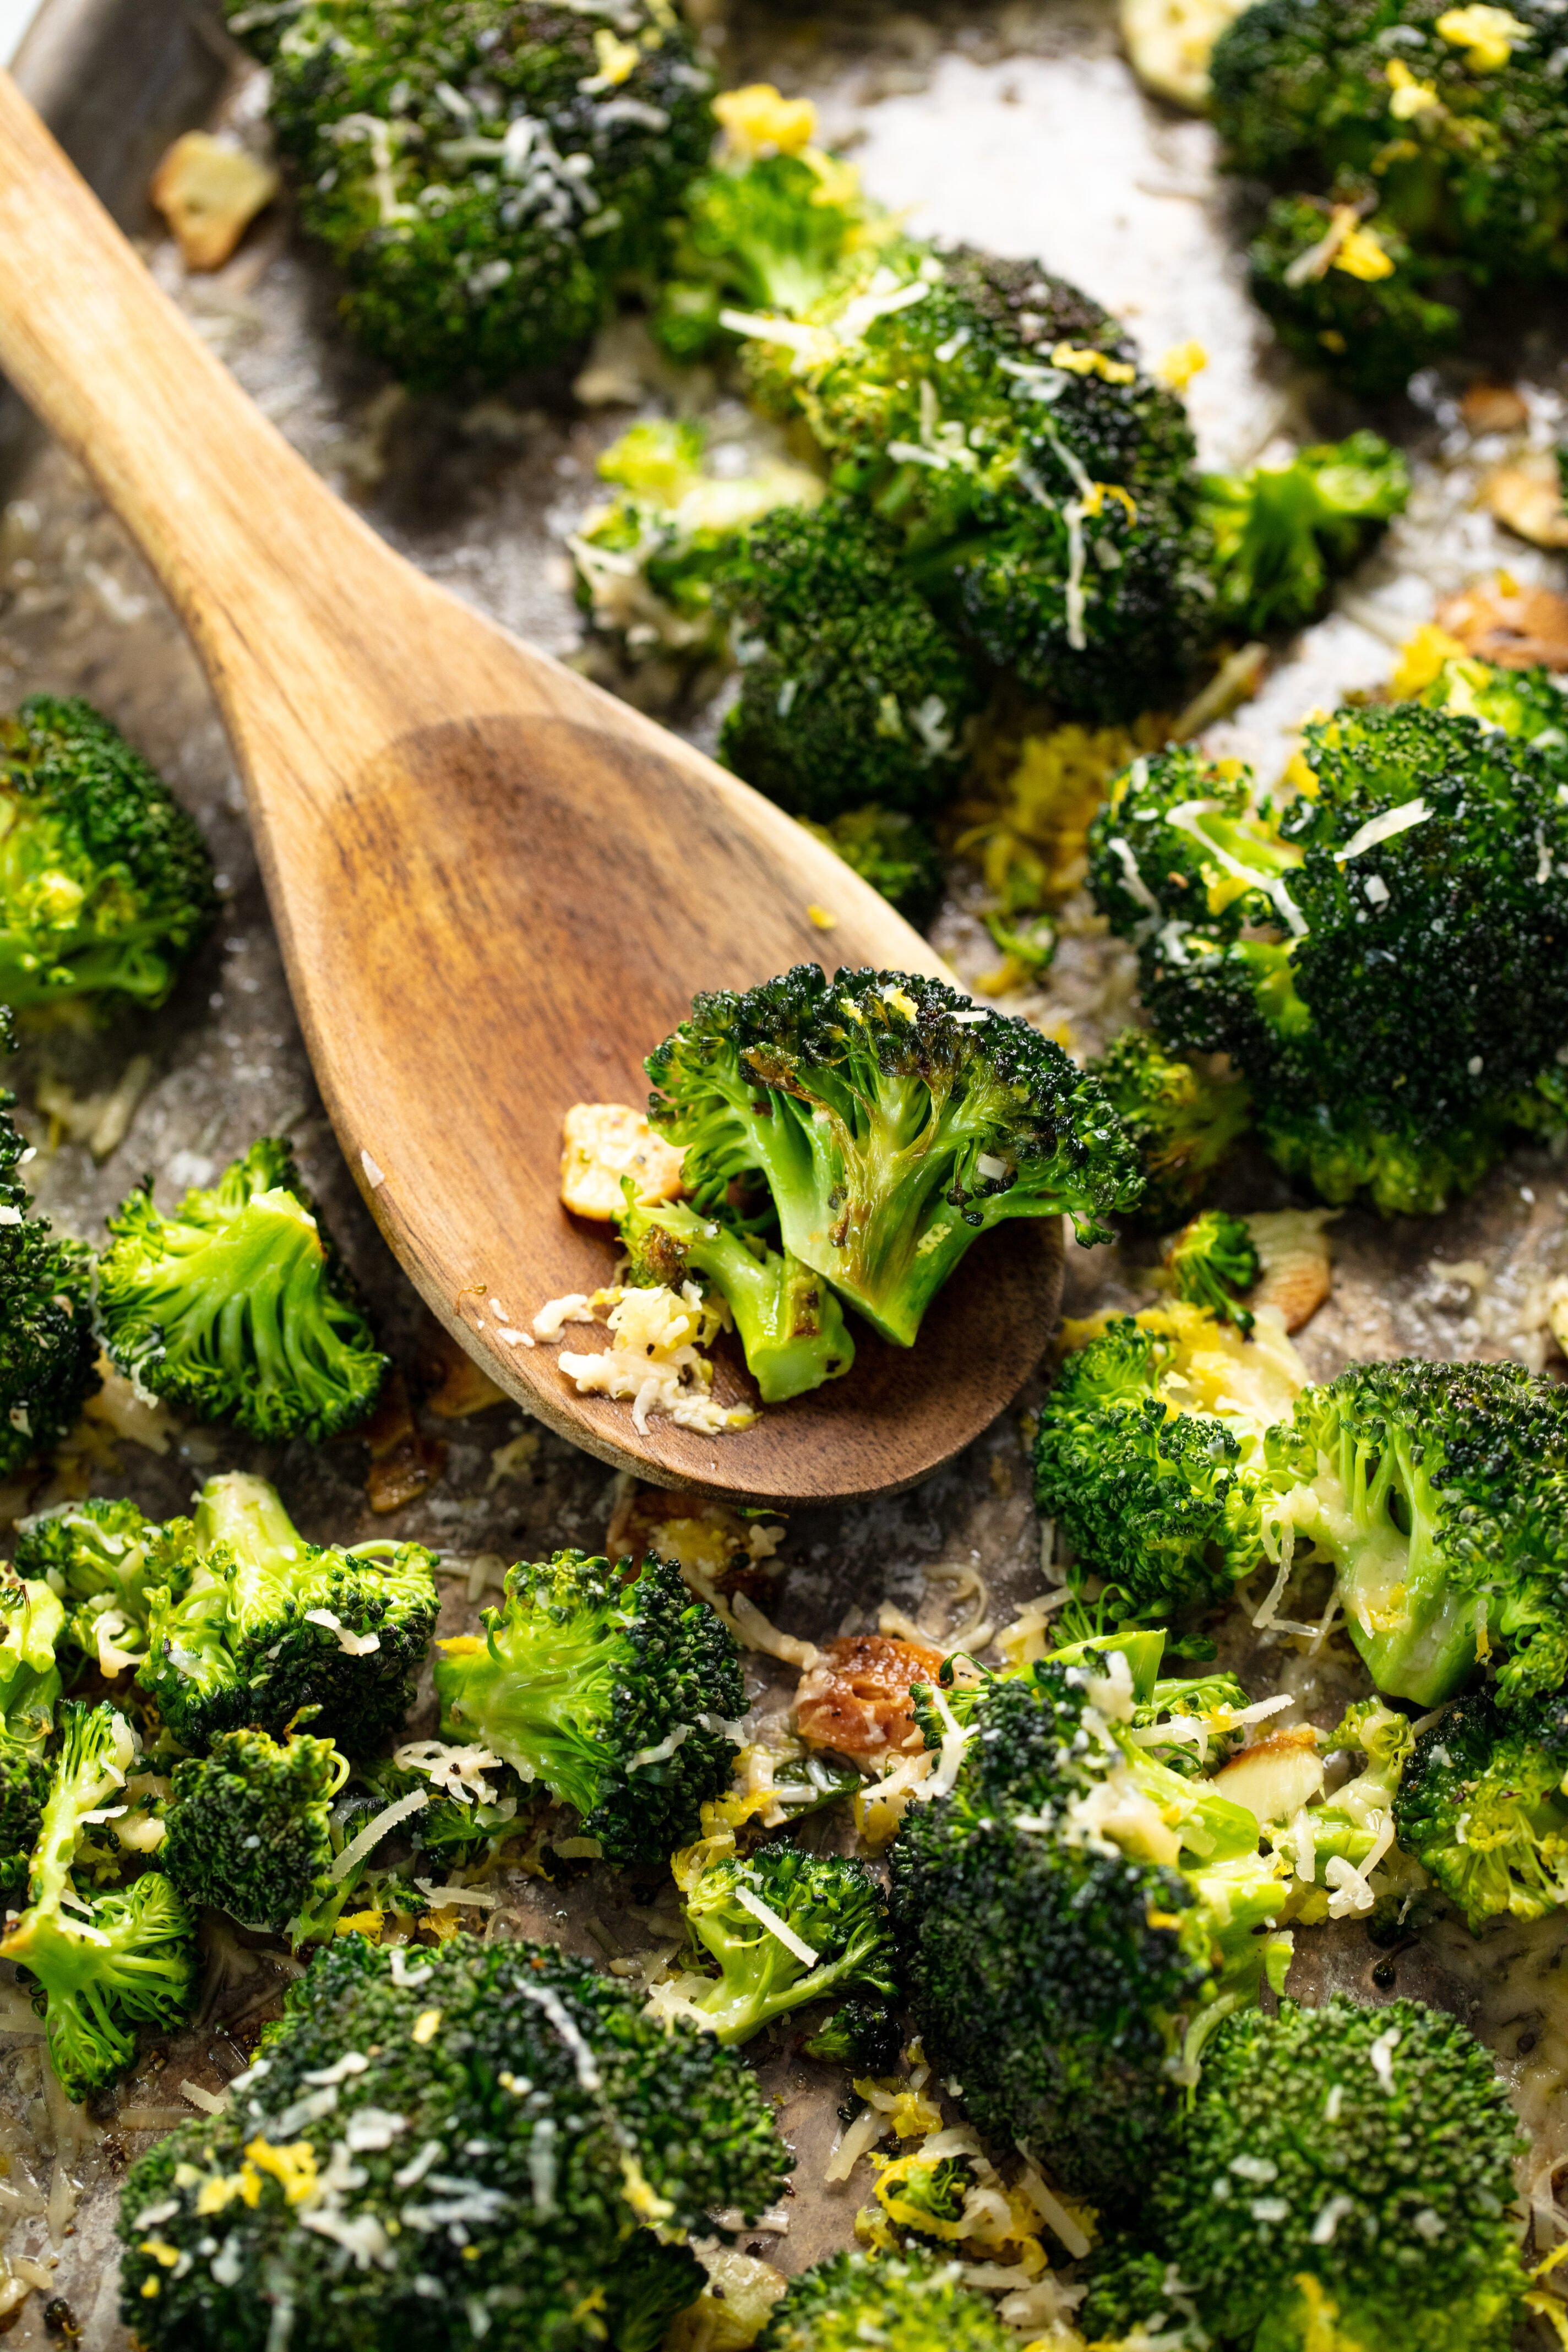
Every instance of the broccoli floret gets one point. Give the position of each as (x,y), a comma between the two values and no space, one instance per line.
(106,887)
(1210,1263)
(1529,705)
(1336,1843)
(1156,1453)
(615,1692)
(1344,2178)
(99,1556)
(506,2129)
(484,171)
(891,1121)
(791,1325)
(851,688)
(892,851)
(1073,1918)
(248,1623)
(1483,1806)
(832,1906)
(1182,1120)
(47,1352)
(249,1826)
(1282,532)
(31,1622)
(106,1963)
(863,2035)
(1349,292)
(239,1306)
(908,2302)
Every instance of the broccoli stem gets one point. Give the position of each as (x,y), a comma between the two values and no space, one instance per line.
(1418,1632)
(790,1325)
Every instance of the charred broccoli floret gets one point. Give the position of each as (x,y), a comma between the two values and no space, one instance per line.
(1211,1261)
(31,1622)
(106,887)
(239,1306)
(1282,532)
(791,1324)
(507,2133)
(617,1692)
(106,1962)
(1483,1805)
(100,1556)
(1344,2178)
(482,170)
(830,1908)
(249,1826)
(891,1121)
(863,2035)
(909,2301)
(47,1352)
(892,851)
(1182,1120)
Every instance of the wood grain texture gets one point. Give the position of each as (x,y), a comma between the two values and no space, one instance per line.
(496,887)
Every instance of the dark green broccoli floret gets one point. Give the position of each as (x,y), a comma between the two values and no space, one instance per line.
(105,1962)
(1483,1806)
(1344,2179)
(508,2128)
(239,1306)
(863,2035)
(1182,1120)
(1282,532)
(617,1692)
(31,1622)
(833,1907)
(851,688)
(908,2302)
(891,1120)
(247,1622)
(100,1556)
(483,171)
(106,885)
(249,1825)
(1073,1918)
(769,233)
(791,1325)
(892,851)
(1529,705)
(1373,330)
(47,1352)
(1210,1261)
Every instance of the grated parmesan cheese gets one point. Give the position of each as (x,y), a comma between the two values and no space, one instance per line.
(778,1928)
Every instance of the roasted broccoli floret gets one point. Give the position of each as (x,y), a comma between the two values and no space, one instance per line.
(248,1623)
(1347,291)
(891,1120)
(1181,1118)
(1336,1842)
(239,1306)
(831,1908)
(249,1826)
(1344,2178)
(791,1325)
(617,1692)
(863,2035)
(1281,533)
(892,851)
(47,1352)
(851,688)
(31,1622)
(1378,953)
(508,2132)
(484,171)
(1073,1918)
(1210,1261)
(1155,1452)
(100,1556)
(1483,1805)
(106,887)
(106,1962)
(908,2302)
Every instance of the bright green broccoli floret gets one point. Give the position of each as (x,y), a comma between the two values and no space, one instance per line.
(891,1122)
(1073,1918)
(239,1306)
(1342,2182)
(1210,1261)
(249,1825)
(1484,1807)
(908,2302)
(247,1622)
(1182,1120)
(484,171)
(833,1907)
(772,232)
(106,887)
(892,851)
(100,1556)
(1374,331)
(1529,705)
(851,688)
(107,1962)
(1282,532)
(507,2131)
(617,1692)
(791,1325)
(31,1624)
(47,1352)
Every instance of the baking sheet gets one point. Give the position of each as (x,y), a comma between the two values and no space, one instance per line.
(1018,126)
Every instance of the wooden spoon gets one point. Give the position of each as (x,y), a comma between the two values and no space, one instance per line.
(496,887)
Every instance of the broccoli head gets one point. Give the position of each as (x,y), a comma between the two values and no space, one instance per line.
(482,170)
(851,688)
(247,1622)
(1483,1806)
(106,1963)
(239,1306)
(1073,1918)
(106,887)
(1282,532)
(1343,2178)
(1210,1261)
(1347,291)
(32,1621)
(791,1325)
(1181,1118)
(908,2302)
(891,1120)
(483,2136)
(836,1936)
(1156,1451)
(48,1355)
(249,1828)
(863,2035)
(892,851)
(617,1692)
(100,1556)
